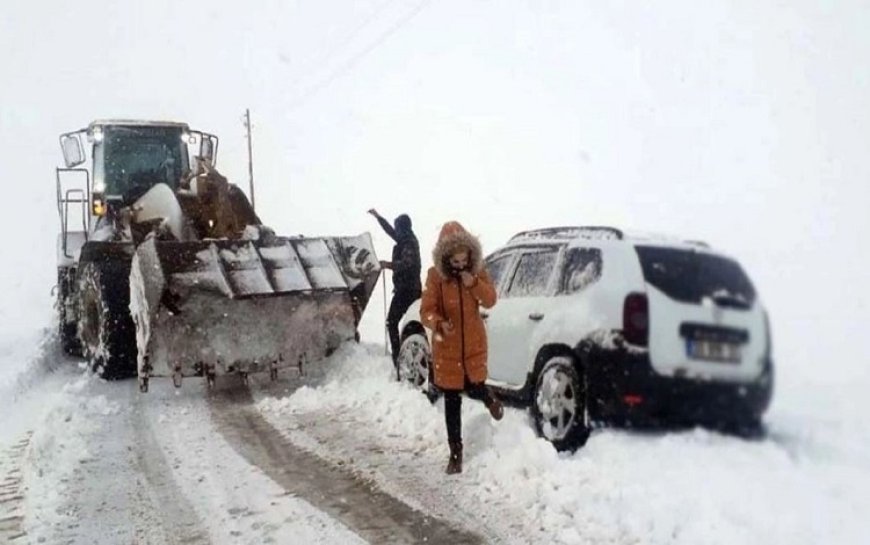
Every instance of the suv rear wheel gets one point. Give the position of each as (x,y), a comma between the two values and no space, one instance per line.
(559,404)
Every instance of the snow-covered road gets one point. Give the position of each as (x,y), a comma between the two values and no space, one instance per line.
(333,486)
(345,455)
(808,482)
(98,462)
(106,465)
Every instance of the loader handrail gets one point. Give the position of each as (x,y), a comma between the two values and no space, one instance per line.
(73,196)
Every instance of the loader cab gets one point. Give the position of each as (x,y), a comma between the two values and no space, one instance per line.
(130,157)
(129,160)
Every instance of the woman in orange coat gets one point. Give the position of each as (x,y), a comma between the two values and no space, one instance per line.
(456,287)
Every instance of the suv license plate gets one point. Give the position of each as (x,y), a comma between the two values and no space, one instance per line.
(713,351)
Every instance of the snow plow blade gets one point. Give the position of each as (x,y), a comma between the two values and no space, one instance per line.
(214,307)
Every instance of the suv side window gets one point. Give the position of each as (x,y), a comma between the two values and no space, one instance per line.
(533,273)
(496,267)
(582,268)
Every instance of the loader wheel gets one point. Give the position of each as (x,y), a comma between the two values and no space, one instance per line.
(67,325)
(105,326)
(69,341)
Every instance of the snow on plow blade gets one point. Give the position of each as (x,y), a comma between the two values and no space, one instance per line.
(213,307)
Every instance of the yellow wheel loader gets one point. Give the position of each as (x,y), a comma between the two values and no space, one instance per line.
(164,269)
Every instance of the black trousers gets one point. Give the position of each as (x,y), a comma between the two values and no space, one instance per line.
(453,407)
(398,307)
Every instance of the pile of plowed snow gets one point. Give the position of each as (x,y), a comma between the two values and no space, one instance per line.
(802,484)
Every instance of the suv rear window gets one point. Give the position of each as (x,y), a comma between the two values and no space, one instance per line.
(689,276)
(582,268)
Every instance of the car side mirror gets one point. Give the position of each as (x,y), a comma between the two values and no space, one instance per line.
(73,153)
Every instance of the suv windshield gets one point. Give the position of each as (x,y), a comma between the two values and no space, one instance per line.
(134,159)
(689,276)
(496,267)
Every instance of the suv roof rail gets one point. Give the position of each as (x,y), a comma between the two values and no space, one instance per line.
(700,243)
(568,233)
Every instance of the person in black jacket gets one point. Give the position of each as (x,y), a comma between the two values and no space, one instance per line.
(406,273)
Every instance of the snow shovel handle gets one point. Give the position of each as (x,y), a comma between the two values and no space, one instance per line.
(386,330)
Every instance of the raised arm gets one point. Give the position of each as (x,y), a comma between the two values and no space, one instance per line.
(385,225)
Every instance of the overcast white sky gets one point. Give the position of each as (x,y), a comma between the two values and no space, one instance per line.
(742,123)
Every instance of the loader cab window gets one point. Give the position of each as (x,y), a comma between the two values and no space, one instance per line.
(131,160)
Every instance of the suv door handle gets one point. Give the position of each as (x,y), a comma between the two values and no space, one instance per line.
(484,315)
(536,316)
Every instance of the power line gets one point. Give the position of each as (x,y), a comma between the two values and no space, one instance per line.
(312,67)
(352,61)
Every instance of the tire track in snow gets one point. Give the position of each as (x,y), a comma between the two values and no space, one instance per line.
(178,519)
(97,475)
(370,512)
(11,494)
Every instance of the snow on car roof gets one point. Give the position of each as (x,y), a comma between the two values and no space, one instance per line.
(664,240)
(564,234)
(572,234)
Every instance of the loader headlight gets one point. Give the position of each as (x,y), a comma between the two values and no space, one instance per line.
(97,134)
(99,206)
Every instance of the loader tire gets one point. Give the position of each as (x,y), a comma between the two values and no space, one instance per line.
(67,323)
(105,327)
(69,340)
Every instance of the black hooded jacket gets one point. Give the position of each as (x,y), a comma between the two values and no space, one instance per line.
(406,255)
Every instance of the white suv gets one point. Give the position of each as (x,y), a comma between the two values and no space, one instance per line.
(594,326)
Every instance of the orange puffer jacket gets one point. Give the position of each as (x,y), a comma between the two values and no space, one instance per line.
(463,351)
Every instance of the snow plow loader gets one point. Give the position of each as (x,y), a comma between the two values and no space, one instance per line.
(164,268)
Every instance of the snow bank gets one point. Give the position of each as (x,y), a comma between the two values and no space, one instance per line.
(25,360)
(58,448)
(357,378)
(623,487)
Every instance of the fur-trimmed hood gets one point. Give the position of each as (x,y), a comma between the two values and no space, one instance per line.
(453,236)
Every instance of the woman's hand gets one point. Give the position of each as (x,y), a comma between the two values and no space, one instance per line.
(446,326)
(468,279)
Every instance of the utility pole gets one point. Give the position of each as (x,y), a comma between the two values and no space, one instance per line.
(250,155)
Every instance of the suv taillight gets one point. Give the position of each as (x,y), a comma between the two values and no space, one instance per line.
(635,319)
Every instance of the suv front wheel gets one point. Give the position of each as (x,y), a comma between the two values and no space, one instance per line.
(414,360)
(415,364)
(559,404)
